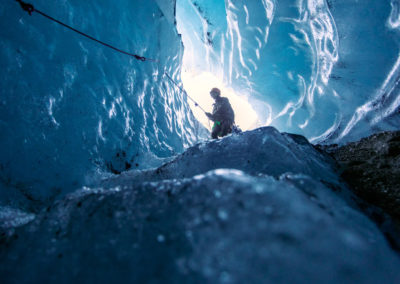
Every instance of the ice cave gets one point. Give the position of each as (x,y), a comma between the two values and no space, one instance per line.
(108,173)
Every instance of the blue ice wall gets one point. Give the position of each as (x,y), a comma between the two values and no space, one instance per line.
(70,107)
(327,69)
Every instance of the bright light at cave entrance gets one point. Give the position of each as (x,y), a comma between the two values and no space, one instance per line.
(198,86)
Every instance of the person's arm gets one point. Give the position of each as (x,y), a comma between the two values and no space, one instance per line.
(210,116)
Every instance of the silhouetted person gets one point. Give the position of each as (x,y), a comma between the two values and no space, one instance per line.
(222,115)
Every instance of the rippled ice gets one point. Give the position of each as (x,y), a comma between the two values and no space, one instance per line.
(324,69)
(70,107)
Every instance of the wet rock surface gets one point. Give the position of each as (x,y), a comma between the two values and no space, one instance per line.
(208,216)
(221,227)
(263,151)
(371,167)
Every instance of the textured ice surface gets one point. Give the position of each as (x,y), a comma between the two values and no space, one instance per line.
(69,106)
(256,207)
(323,69)
(12,218)
(257,152)
(218,226)
(71,109)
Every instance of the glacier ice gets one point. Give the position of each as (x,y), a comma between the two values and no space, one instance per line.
(328,70)
(155,201)
(222,225)
(12,218)
(263,151)
(70,107)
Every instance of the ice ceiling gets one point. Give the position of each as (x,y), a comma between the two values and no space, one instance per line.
(326,69)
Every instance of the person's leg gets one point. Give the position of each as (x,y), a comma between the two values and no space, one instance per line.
(215,131)
(226,128)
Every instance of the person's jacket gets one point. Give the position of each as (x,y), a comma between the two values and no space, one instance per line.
(222,111)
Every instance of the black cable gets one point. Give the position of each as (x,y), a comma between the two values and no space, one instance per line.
(180,88)
(30,9)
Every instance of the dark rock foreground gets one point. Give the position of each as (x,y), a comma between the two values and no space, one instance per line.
(371,167)
(258,207)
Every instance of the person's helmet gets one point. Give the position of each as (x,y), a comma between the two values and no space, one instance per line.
(215,92)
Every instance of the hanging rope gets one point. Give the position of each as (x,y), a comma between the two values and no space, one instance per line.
(182,90)
(29,8)
(195,103)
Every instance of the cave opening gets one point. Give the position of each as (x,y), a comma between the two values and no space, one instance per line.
(200,74)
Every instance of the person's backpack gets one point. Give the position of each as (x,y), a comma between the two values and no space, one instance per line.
(228,111)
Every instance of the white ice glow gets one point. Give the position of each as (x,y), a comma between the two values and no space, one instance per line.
(198,86)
